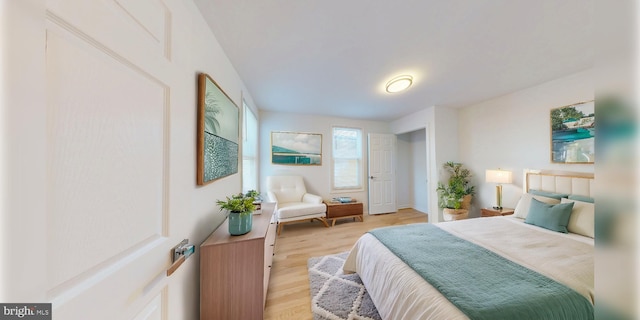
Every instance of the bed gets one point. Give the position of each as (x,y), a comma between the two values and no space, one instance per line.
(487,278)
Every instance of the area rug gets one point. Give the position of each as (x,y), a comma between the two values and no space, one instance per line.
(335,295)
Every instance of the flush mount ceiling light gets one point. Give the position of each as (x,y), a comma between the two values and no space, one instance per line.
(399,83)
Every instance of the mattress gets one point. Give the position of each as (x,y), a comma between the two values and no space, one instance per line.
(400,293)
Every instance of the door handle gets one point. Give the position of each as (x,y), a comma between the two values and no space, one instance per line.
(371,177)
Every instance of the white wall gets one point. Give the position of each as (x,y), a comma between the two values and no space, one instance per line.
(115,36)
(415,121)
(404,171)
(512,132)
(445,141)
(197,209)
(419,168)
(441,127)
(317,178)
(411,171)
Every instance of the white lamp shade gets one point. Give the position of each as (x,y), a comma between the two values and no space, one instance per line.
(498,176)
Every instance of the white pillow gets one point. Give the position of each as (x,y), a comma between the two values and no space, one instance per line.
(522,208)
(582,219)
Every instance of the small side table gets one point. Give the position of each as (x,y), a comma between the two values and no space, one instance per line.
(491,212)
(338,210)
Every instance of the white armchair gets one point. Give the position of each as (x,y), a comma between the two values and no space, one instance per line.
(293,203)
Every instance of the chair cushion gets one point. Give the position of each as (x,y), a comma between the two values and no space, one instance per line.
(299,209)
(286,188)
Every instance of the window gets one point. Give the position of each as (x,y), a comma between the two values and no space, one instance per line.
(249,150)
(347,158)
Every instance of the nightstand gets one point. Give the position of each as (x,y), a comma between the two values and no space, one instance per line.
(490,212)
(337,210)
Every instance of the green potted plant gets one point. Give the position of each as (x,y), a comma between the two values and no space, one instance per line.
(257,202)
(455,196)
(240,207)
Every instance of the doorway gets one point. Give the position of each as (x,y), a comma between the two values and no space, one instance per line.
(382,173)
(412,186)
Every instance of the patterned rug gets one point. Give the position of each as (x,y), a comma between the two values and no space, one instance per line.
(335,295)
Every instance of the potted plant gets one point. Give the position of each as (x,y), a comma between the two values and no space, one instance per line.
(455,196)
(254,194)
(240,207)
(257,202)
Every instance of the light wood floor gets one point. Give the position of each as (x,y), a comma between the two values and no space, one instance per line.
(289,296)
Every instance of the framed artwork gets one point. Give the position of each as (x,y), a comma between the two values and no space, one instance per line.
(218,132)
(294,148)
(573,133)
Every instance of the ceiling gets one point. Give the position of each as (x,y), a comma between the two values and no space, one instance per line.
(334,57)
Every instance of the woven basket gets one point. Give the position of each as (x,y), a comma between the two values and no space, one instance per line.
(455,214)
(466,202)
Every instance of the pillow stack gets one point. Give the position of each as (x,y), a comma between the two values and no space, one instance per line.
(558,212)
(554,217)
(522,208)
(582,220)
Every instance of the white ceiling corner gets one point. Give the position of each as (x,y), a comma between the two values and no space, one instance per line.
(334,57)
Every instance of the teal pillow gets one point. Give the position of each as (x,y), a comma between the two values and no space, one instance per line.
(581,198)
(549,216)
(548,194)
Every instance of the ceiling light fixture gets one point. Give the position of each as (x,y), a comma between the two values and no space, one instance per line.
(399,83)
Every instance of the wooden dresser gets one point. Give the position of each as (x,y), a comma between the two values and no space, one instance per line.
(234,270)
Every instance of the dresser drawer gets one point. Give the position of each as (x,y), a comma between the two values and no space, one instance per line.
(231,272)
(269,251)
(343,209)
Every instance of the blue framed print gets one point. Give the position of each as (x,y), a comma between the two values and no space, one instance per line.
(218,132)
(573,133)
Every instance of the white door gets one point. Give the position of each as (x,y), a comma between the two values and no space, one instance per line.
(88,100)
(382,173)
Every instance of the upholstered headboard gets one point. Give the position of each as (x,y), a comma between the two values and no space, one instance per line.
(580,184)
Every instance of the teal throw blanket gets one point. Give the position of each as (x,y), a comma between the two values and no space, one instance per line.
(482,284)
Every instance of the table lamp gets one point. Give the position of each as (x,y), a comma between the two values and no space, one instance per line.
(499,177)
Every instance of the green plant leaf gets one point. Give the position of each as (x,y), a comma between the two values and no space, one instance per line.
(237,203)
(451,195)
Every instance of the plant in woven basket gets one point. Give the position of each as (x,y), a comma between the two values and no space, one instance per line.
(452,194)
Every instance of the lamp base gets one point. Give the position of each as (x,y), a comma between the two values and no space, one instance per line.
(498,197)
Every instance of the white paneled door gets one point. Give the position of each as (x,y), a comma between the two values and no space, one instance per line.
(91,87)
(382,173)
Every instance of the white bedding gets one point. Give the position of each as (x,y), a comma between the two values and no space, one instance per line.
(400,293)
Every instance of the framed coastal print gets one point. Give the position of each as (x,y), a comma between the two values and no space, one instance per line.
(218,132)
(573,133)
(295,148)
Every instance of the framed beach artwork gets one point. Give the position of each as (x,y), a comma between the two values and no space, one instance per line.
(218,132)
(573,133)
(294,148)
